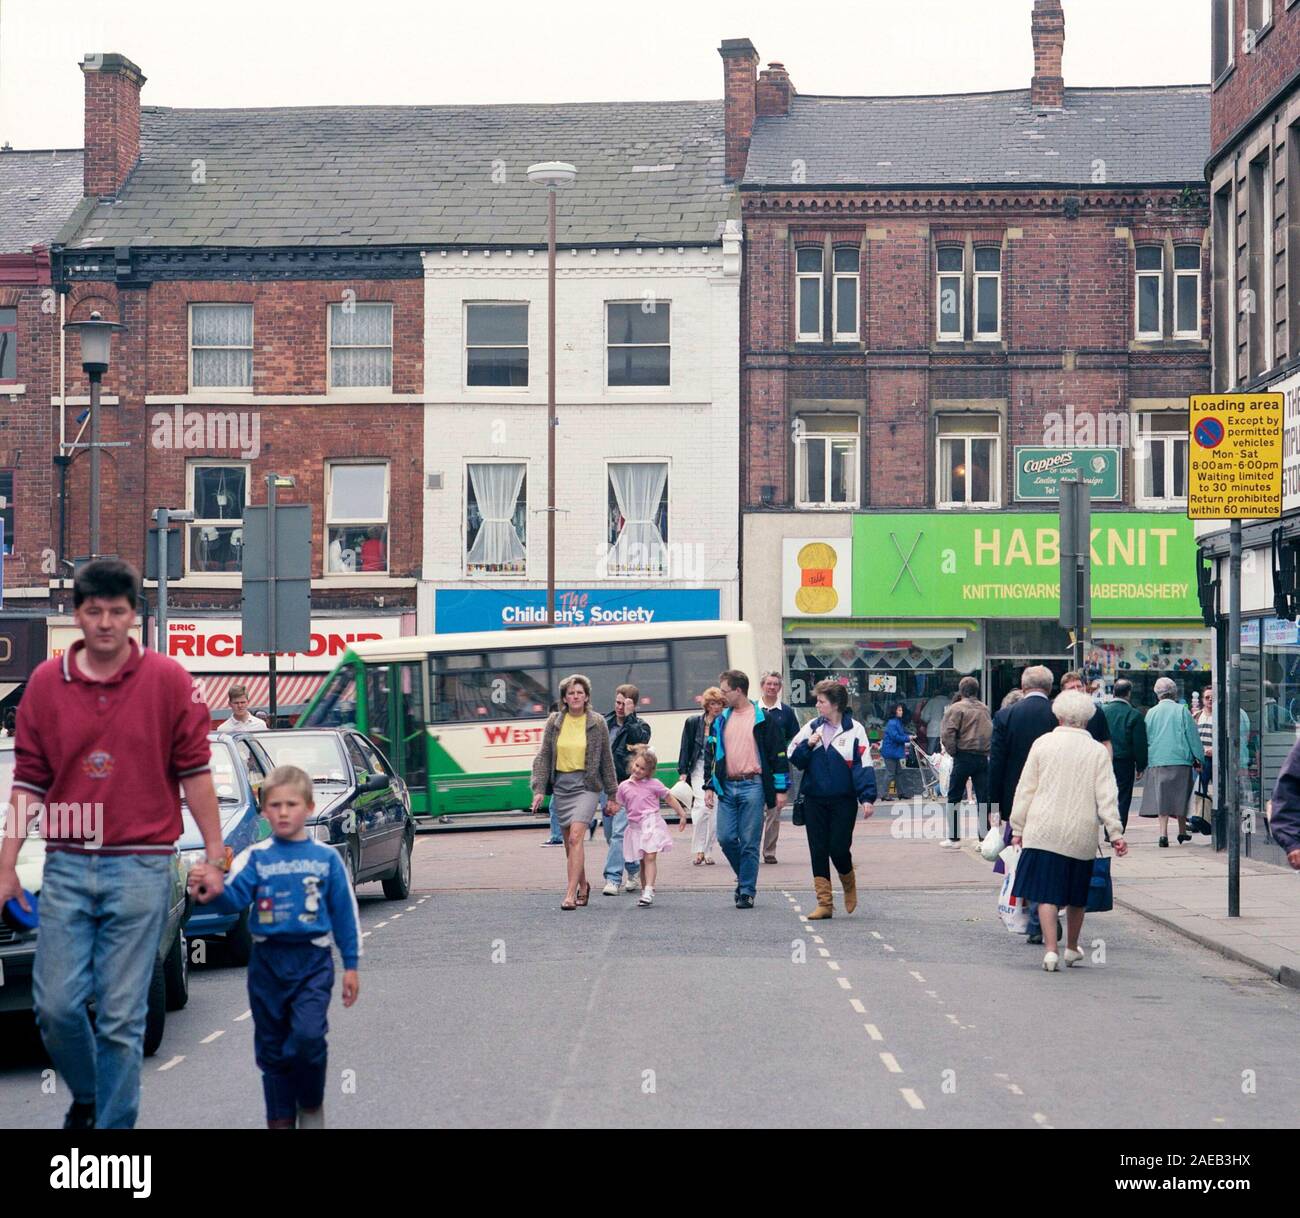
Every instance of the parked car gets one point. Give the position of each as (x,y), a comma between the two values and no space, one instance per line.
(363,809)
(169,985)
(237,773)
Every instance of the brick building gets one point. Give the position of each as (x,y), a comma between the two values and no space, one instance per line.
(273,324)
(1254,179)
(949,300)
(38,191)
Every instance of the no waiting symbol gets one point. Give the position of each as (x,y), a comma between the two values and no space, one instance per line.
(1209,433)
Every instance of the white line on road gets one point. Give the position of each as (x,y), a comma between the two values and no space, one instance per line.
(914,973)
(911,1097)
(175,1061)
(856,1004)
(422,900)
(393,917)
(803,917)
(784,893)
(798,908)
(818,939)
(933,995)
(245,1015)
(821,951)
(1014,1089)
(379,925)
(830,964)
(1042,1121)
(207,1040)
(875,934)
(873,1031)
(410,908)
(891,1063)
(948,1015)
(887,947)
(365,934)
(844,983)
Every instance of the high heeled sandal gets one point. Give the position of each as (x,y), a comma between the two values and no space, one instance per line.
(584,893)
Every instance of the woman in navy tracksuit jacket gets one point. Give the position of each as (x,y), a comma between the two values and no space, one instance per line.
(834,753)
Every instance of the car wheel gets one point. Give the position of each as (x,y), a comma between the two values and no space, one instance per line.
(176,974)
(156,1019)
(398,886)
(239,941)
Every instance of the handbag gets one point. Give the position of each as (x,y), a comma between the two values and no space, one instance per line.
(797,812)
(1200,821)
(1101,892)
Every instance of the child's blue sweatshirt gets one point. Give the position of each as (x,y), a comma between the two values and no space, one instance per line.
(300,893)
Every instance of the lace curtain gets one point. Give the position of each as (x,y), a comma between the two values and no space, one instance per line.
(361,345)
(638,490)
(222,337)
(496,491)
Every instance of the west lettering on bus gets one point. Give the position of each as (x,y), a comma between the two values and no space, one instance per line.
(220,646)
(503,733)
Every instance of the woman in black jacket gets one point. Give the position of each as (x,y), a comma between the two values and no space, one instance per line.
(834,752)
(695,765)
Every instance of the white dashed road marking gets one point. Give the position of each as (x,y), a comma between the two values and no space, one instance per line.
(914,973)
(875,934)
(873,1031)
(175,1061)
(207,1040)
(379,925)
(245,1015)
(913,1100)
(891,1063)
(844,983)
(856,1004)
(821,951)
(831,964)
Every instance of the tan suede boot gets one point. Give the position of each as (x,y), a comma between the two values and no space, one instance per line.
(825,900)
(849,882)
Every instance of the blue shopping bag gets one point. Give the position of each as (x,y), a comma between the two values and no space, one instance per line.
(1101,892)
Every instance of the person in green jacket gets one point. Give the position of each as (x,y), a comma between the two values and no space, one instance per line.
(1128,738)
(1174,752)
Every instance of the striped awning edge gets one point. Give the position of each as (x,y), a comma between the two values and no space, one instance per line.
(291,689)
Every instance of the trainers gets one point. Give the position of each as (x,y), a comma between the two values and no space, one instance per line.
(647,897)
(553,841)
(633,884)
(80,1116)
(611,889)
(948,844)
(744,901)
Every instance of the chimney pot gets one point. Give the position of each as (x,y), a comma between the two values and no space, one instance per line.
(1047,90)
(774,91)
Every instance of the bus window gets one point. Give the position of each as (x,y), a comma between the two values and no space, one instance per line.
(696,665)
(377,705)
(609,665)
(336,704)
(496,685)
(413,760)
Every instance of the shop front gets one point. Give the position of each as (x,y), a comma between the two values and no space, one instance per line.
(914,601)
(212,650)
(22,648)
(461,610)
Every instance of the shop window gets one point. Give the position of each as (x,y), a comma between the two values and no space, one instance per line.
(7,508)
(638,518)
(8,344)
(969,462)
(221,346)
(218,493)
(1161,458)
(361,346)
(496,346)
(826,461)
(356,511)
(639,346)
(496,518)
(808,295)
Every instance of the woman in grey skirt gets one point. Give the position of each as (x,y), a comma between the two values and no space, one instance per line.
(1173,749)
(573,765)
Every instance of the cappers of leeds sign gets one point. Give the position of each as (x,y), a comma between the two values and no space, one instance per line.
(1039,472)
(1007,564)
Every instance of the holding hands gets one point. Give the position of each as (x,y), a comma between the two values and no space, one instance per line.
(206,882)
(351,986)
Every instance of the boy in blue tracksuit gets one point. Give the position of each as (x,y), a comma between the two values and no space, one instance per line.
(302,897)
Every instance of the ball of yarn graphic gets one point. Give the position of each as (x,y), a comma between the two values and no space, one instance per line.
(816,592)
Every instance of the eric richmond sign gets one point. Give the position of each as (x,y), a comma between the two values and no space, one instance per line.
(1235,461)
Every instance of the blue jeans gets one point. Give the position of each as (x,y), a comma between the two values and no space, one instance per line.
(101,919)
(289,987)
(615,827)
(740,830)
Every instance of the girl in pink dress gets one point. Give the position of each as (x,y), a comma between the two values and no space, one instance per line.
(647,831)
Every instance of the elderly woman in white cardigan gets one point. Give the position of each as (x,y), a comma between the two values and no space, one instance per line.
(1067,790)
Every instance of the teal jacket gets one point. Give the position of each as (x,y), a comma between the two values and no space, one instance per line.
(1172,738)
(1128,733)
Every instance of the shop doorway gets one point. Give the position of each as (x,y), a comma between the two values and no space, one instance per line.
(1004,676)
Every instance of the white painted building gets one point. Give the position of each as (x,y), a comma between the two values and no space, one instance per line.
(647,391)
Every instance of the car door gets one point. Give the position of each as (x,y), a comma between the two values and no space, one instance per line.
(395,805)
(378,850)
(256,771)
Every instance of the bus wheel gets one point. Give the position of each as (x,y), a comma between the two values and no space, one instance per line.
(398,886)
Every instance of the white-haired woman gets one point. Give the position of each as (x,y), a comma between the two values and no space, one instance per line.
(1067,789)
(1173,749)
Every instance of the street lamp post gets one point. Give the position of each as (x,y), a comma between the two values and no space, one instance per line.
(550,174)
(96,335)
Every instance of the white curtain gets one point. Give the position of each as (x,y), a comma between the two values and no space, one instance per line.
(638,490)
(362,340)
(496,491)
(215,330)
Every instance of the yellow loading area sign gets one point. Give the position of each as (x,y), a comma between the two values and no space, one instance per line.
(1235,456)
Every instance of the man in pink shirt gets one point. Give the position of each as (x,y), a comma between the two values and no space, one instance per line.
(750,773)
(113,733)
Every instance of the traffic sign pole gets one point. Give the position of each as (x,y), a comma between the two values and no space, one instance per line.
(1232,744)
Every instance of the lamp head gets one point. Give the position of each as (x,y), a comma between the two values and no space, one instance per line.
(552,173)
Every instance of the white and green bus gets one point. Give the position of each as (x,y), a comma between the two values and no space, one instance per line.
(460,716)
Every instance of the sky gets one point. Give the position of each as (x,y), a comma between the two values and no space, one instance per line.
(240,53)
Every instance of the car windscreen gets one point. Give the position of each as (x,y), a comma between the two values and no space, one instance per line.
(321,756)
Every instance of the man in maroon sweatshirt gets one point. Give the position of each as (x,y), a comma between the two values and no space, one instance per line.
(107,737)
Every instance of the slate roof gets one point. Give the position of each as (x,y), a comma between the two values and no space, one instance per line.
(38,192)
(648,172)
(1144,135)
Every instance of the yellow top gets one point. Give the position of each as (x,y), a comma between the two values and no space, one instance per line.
(571,747)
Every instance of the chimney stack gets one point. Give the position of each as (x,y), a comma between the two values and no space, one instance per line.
(113,85)
(739,84)
(1047,91)
(774,91)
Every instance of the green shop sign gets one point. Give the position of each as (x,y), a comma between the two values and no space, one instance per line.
(1007,564)
(1039,472)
